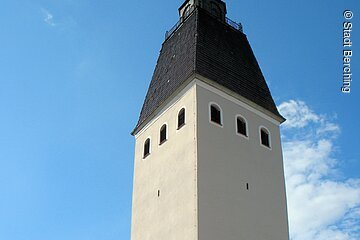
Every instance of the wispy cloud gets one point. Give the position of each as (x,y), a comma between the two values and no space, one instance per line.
(48,17)
(320,206)
(297,114)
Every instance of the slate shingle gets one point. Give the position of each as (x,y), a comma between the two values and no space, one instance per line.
(212,49)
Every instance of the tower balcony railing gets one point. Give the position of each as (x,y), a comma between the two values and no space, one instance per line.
(173,29)
(182,19)
(237,26)
(231,23)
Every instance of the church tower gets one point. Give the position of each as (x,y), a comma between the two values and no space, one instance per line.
(208,156)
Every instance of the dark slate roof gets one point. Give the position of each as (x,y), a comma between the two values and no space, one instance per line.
(214,50)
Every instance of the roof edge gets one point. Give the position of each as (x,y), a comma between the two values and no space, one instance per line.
(237,96)
(211,83)
(188,80)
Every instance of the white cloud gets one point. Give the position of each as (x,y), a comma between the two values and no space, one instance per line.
(48,17)
(320,206)
(297,113)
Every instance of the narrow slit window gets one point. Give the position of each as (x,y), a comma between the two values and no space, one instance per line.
(147,148)
(241,126)
(163,134)
(181,118)
(265,138)
(215,113)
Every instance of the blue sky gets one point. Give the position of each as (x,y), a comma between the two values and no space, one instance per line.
(74,73)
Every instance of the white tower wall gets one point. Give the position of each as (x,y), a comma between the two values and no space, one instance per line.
(170,169)
(241,185)
(203,170)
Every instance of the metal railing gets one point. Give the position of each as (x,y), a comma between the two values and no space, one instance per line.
(182,19)
(172,30)
(237,26)
(169,33)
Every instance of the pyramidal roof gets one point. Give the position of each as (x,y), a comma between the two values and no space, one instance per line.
(203,45)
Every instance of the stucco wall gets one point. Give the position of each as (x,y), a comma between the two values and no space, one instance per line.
(170,168)
(202,172)
(228,162)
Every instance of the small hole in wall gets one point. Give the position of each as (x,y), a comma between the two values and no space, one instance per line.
(158,193)
(247,186)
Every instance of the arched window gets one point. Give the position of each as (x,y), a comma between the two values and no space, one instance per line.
(146,148)
(181,118)
(215,114)
(265,137)
(241,126)
(163,134)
